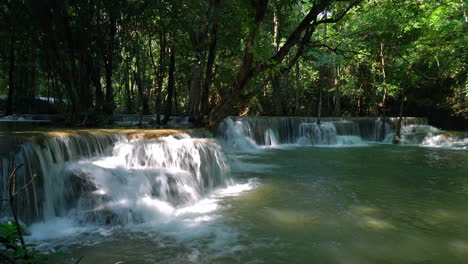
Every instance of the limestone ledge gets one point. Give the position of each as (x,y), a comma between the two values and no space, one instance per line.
(11,139)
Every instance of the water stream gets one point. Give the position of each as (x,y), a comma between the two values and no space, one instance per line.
(268,190)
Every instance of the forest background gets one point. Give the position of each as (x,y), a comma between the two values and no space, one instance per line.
(91,60)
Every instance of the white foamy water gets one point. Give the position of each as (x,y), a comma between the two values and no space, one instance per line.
(252,135)
(429,136)
(173,187)
(445,141)
(193,221)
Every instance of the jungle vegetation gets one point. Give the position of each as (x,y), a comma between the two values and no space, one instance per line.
(209,59)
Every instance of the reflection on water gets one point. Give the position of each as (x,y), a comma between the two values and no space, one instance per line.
(380,204)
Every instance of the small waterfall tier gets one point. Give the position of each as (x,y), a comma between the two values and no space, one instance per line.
(247,132)
(43,160)
(113,180)
(318,134)
(446,140)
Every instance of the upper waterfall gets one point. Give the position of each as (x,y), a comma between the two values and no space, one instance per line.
(249,132)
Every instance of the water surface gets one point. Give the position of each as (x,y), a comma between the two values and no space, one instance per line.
(307,204)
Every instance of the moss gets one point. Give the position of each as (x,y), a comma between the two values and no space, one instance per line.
(40,136)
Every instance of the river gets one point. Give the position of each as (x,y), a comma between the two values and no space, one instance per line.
(258,195)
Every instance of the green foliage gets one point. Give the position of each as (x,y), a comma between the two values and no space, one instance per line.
(104,57)
(11,246)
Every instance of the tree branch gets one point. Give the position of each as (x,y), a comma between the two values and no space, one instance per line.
(308,25)
(413,68)
(449,62)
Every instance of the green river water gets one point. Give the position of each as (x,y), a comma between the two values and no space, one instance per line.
(379,203)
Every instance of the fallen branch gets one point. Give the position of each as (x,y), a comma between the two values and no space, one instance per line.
(12,192)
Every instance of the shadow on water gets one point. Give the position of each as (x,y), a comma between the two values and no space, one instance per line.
(377,204)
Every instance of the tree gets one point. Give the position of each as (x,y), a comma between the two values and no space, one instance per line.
(299,37)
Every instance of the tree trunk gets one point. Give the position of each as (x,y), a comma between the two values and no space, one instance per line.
(85,99)
(275,77)
(210,62)
(319,107)
(11,77)
(128,95)
(109,65)
(323,81)
(298,92)
(226,107)
(195,87)
(397,138)
(161,73)
(170,85)
(384,98)
(109,105)
(299,37)
(175,99)
(337,92)
(141,93)
(96,79)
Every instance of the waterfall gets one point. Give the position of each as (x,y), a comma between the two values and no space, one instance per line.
(109,179)
(44,158)
(418,132)
(244,133)
(318,134)
(237,134)
(271,138)
(446,141)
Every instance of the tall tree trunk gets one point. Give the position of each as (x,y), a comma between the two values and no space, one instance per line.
(141,92)
(159,78)
(337,92)
(175,99)
(198,39)
(359,105)
(98,86)
(11,77)
(298,91)
(128,96)
(84,93)
(109,67)
(319,107)
(397,138)
(139,75)
(275,78)
(145,89)
(170,85)
(228,103)
(195,87)
(323,81)
(161,73)
(384,98)
(210,62)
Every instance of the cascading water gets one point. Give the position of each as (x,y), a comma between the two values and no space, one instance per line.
(108,179)
(237,135)
(446,141)
(318,134)
(170,200)
(145,181)
(418,133)
(43,159)
(270,138)
(247,133)
(250,132)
